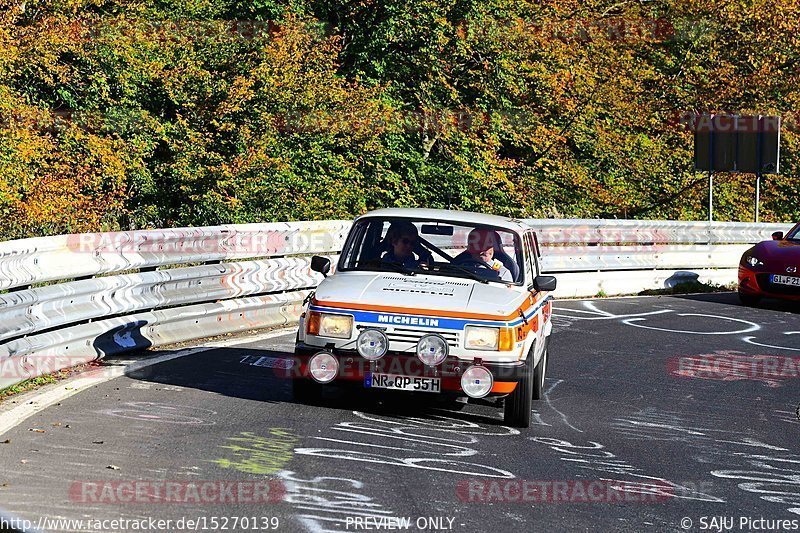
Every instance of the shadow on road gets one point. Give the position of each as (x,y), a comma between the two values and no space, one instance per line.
(240,373)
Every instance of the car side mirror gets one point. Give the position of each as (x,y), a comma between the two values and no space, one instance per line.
(544,283)
(321,264)
(777,236)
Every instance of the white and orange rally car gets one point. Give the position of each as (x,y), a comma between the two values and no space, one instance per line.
(430,301)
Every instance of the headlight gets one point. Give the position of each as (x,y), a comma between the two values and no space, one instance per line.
(753,261)
(372,344)
(477,381)
(323,367)
(328,325)
(481,338)
(478,338)
(432,349)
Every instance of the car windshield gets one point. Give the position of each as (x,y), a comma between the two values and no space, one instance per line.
(434,247)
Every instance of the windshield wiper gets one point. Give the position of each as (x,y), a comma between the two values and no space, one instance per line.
(469,273)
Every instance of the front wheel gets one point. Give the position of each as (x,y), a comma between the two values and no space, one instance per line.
(749,300)
(539,375)
(520,402)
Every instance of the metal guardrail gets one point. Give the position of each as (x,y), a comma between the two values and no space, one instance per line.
(590,231)
(603,245)
(640,257)
(29,311)
(628,256)
(29,261)
(83,318)
(97,306)
(32,356)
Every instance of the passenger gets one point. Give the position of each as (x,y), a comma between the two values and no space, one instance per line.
(402,237)
(480,248)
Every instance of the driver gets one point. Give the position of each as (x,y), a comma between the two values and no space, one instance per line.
(402,236)
(480,248)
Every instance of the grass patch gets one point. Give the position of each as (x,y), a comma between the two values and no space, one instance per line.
(689,287)
(28,384)
(41,381)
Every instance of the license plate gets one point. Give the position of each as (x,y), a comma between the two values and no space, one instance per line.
(785,280)
(395,382)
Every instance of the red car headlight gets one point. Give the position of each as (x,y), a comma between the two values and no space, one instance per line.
(753,261)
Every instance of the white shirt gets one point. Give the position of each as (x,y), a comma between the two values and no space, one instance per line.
(497,265)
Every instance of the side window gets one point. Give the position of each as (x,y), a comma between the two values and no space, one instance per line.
(352,246)
(529,269)
(536,254)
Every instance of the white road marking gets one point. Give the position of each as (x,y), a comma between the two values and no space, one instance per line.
(752,325)
(550,404)
(749,340)
(606,316)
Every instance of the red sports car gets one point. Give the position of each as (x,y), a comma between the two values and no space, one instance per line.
(771,269)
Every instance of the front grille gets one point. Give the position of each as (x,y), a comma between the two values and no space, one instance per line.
(402,339)
(776,288)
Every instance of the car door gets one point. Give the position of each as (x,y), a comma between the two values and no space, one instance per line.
(531,270)
(547,309)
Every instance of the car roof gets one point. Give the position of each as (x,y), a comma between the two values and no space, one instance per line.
(447,215)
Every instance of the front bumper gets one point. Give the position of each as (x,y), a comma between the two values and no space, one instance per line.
(757,283)
(353,367)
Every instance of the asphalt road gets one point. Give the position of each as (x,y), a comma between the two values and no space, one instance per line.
(664,410)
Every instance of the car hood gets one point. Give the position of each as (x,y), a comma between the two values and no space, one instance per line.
(777,254)
(420,293)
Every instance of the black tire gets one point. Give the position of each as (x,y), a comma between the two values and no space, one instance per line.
(749,300)
(539,374)
(307,391)
(520,402)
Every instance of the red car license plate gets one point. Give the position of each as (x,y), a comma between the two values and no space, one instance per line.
(785,280)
